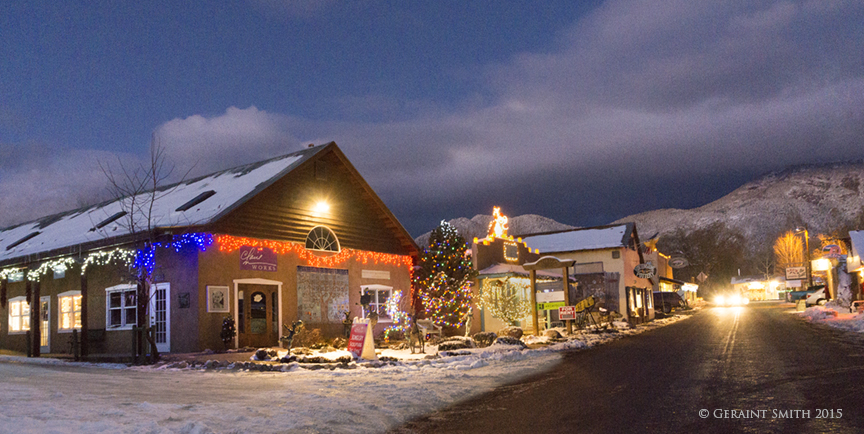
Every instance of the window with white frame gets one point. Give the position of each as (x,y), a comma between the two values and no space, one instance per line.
(378,297)
(19,315)
(121,307)
(16,277)
(70,311)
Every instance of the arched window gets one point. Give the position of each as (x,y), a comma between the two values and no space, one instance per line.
(322,238)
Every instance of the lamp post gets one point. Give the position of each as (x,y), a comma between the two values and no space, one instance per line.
(807,249)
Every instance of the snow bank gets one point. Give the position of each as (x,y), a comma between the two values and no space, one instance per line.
(819,313)
(832,318)
(356,398)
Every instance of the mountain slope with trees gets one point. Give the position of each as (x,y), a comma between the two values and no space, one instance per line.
(735,233)
(825,199)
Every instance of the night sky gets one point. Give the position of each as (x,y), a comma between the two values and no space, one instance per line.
(584,112)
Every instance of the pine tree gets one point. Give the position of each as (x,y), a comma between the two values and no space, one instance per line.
(442,282)
(228,331)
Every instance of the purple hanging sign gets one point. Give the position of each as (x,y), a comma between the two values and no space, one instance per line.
(257,258)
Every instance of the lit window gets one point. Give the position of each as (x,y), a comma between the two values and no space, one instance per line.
(378,296)
(16,277)
(70,311)
(19,315)
(322,238)
(121,307)
(511,251)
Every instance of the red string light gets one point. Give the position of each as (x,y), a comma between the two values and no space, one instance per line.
(230,243)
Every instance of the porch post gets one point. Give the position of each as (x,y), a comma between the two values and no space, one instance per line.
(566,279)
(36,319)
(85,341)
(534,302)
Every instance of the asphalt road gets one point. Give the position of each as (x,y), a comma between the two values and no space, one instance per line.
(754,369)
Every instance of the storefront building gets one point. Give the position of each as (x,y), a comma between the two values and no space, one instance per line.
(297,237)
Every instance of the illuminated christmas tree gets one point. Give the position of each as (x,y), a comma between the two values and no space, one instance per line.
(502,299)
(443,279)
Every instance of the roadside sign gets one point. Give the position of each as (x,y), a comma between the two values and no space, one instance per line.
(545,297)
(702,277)
(832,251)
(677,262)
(796,273)
(645,271)
(360,343)
(550,305)
(355,342)
(566,312)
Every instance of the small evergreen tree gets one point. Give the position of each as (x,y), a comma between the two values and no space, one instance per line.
(442,281)
(501,299)
(228,331)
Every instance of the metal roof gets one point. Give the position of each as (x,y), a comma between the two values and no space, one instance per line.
(193,202)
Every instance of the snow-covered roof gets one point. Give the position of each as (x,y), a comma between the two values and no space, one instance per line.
(190,203)
(603,237)
(853,260)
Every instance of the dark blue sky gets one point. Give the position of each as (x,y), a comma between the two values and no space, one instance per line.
(584,112)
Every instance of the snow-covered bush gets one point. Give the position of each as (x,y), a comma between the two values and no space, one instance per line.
(817,313)
(510,340)
(511,331)
(484,339)
(456,343)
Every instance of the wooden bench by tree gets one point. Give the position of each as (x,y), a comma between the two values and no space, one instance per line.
(429,327)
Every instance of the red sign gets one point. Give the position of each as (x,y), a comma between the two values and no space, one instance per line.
(566,312)
(355,342)
(257,258)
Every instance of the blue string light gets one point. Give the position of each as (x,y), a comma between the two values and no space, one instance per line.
(145,258)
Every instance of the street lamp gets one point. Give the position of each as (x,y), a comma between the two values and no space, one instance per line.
(807,249)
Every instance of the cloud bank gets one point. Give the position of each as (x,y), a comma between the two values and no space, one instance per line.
(640,105)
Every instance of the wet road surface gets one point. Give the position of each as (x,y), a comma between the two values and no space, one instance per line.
(753,369)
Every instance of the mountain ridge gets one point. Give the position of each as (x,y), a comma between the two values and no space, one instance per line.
(823,197)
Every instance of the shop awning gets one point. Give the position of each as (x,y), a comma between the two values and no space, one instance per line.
(503,270)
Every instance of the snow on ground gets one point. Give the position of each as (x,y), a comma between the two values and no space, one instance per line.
(57,396)
(853,322)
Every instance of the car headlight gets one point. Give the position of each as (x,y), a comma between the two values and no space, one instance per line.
(719,300)
(735,299)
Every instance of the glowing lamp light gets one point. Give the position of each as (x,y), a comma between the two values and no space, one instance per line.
(822,264)
(321,207)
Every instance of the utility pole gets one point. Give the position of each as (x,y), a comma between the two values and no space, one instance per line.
(807,249)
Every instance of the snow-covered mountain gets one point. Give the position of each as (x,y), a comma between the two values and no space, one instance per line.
(823,198)
(479,226)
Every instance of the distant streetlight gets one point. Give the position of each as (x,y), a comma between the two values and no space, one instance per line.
(807,249)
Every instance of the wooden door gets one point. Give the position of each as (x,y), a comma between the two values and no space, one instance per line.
(259,316)
(45,325)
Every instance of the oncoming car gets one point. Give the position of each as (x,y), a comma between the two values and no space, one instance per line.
(730,300)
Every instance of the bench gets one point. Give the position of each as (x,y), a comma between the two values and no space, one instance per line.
(429,327)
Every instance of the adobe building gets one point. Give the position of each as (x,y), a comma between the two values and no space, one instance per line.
(299,236)
(606,260)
